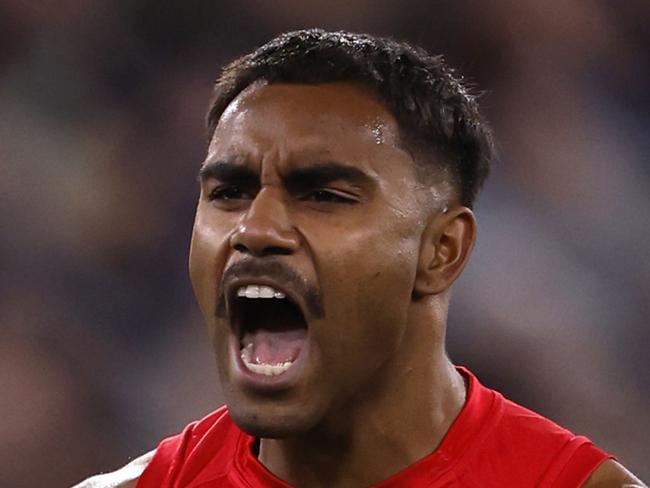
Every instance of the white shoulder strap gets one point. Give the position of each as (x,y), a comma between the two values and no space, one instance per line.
(116,479)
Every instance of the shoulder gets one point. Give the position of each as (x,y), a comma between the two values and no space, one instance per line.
(531,435)
(213,432)
(200,442)
(572,459)
(611,474)
(531,447)
(125,477)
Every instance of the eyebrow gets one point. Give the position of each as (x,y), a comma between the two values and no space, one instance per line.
(323,173)
(228,171)
(296,179)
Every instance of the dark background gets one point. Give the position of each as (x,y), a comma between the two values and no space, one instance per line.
(102,350)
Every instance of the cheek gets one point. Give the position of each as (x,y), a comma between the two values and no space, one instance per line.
(373,262)
(208,252)
(367,282)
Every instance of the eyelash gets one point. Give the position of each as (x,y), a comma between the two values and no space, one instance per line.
(233,193)
(225,193)
(328,196)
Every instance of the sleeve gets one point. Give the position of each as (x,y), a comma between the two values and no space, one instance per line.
(574,464)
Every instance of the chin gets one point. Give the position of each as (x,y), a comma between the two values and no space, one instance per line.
(271,422)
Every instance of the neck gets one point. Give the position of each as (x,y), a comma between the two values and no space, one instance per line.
(379,432)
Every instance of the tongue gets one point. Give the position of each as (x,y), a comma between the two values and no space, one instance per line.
(273,347)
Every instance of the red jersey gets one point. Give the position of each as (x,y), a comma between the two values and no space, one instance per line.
(492,443)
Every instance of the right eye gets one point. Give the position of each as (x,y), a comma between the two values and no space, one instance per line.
(230,197)
(227,193)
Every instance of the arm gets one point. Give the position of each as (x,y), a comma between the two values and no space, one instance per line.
(611,474)
(125,477)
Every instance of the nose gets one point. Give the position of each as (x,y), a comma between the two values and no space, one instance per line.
(265,229)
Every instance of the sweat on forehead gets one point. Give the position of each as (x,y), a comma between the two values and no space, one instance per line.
(321,102)
(300,124)
(437,115)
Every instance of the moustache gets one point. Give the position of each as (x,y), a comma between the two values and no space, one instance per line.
(279,271)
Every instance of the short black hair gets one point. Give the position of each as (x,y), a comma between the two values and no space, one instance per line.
(437,115)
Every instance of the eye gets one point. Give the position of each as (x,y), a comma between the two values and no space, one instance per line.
(228,193)
(329,196)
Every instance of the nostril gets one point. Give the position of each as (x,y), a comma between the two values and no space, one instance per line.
(240,248)
(274,251)
(263,251)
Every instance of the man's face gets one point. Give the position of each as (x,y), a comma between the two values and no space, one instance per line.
(304,252)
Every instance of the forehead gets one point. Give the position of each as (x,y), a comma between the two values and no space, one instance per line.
(337,119)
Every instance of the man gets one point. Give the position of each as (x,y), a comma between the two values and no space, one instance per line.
(334,216)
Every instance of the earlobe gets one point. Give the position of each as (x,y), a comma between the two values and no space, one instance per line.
(447,243)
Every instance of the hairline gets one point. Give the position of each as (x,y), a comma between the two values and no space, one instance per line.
(453,135)
(428,161)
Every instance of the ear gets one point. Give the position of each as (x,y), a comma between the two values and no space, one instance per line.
(447,243)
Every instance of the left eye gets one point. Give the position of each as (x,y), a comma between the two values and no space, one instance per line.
(328,196)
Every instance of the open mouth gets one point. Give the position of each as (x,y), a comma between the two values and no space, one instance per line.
(271,327)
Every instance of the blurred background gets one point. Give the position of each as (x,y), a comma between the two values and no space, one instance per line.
(102,103)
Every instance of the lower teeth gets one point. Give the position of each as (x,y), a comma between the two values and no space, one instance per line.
(265,369)
(268,369)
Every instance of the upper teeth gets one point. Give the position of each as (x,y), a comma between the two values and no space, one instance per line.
(259,291)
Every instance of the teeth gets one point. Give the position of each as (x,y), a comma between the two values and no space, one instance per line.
(252,291)
(266,292)
(264,369)
(259,291)
(269,369)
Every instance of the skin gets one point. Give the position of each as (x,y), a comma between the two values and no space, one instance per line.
(381,253)
(611,474)
(375,342)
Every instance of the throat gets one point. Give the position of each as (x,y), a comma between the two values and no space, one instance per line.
(362,448)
